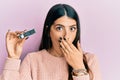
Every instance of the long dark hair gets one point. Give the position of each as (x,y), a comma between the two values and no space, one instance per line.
(54,13)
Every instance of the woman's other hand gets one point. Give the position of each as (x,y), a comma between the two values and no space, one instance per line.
(14,44)
(73,55)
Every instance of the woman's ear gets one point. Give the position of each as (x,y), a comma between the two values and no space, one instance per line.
(46,26)
(47,32)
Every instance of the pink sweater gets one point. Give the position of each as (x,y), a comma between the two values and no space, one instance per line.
(43,66)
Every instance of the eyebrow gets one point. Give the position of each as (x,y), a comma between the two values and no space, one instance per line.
(64,26)
(59,24)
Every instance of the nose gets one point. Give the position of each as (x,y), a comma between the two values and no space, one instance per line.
(66,34)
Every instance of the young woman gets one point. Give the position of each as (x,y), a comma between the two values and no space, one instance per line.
(60,56)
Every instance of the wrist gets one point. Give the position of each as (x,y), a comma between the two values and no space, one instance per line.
(80,66)
(13,57)
(79,72)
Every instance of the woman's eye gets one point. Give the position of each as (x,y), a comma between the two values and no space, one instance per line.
(59,28)
(73,28)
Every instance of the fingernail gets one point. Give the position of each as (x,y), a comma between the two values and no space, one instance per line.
(60,46)
(26,38)
(8,30)
(64,38)
(60,38)
(25,30)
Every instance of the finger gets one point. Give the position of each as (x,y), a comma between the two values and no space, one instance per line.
(66,45)
(7,35)
(71,46)
(22,41)
(78,45)
(66,55)
(26,38)
(8,30)
(20,32)
(62,50)
(65,51)
(10,35)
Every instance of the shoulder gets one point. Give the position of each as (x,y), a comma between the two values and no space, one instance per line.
(35,55)
(89,55)
(91,58)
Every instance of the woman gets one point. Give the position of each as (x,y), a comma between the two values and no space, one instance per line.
(60,56)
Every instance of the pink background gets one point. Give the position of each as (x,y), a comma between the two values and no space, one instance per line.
(99,28)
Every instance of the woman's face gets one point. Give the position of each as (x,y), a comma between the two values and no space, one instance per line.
(64,27)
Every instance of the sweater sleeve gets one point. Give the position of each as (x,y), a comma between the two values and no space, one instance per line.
(94,67)
(85,77)
(13,71)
